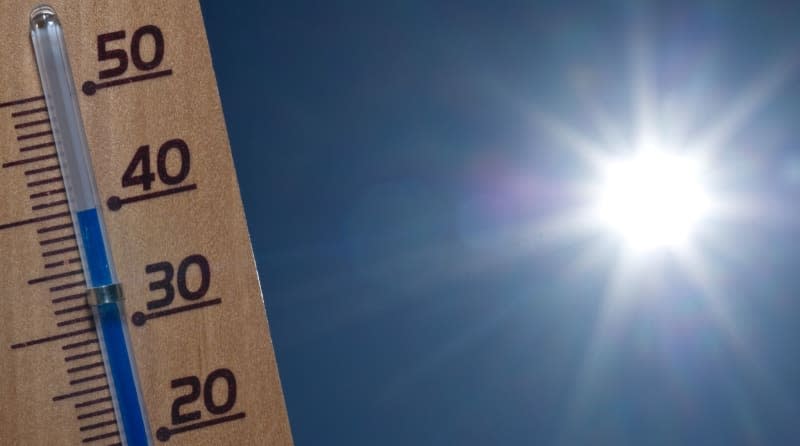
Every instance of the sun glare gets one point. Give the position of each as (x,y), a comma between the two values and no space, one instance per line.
(659,195)
(653,200)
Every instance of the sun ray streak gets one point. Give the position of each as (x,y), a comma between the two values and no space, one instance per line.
(642,94)
(753,98)
(587,150)
(665,120)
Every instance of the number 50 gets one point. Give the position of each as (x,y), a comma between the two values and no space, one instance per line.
(121,56)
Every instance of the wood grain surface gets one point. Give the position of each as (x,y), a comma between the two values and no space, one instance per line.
(51,388)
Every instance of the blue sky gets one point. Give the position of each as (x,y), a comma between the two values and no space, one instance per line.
(399,161)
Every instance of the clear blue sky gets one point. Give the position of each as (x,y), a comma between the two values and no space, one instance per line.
(394,167)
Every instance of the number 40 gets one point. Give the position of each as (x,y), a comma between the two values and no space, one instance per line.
(141,162)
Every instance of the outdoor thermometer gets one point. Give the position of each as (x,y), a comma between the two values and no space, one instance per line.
(132,313)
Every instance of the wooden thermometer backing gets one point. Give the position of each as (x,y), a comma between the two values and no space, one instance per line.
(178,236)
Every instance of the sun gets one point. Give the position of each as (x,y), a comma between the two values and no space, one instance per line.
(653,200)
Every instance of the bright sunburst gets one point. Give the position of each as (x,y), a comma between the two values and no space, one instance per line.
(648,183)
(653,200)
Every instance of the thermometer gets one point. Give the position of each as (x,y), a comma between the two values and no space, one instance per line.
(104,292)
(116,172)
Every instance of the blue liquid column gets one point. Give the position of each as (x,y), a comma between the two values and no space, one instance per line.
(108,314)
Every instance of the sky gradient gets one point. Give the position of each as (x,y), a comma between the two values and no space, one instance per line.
(402,165)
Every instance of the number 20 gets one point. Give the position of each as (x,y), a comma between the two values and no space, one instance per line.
(194,385)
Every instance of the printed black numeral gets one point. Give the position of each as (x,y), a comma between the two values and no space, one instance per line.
(141,163)
(208,395)
(194,383)
(179,418)
(103,54)
(184,290)
(169,279)
(172,164)
(115,59)
(121,56)
(140,158)
(230,394)
(136,42)
(165,283)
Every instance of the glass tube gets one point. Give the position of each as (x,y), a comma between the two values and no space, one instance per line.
(105,293)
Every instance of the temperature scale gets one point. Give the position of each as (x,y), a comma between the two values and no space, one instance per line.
(132,313)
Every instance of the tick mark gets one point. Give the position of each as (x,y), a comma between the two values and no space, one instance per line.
(115,203)
(29,112)
(48,192)
(140,318)
(41,169)
(100,437)
(55,276)
(97,425)
(95,413)
(85,367)
(59,251)
(33,220)
(81,356)
(164,433)
(87,379)
(29,160)
(72,309)
(78,393)
(21,101)
(80,344)
(37,146)
(54,228)
(34,135)
(93,402)
(47,181)
(53,338)
(90,87)
(77,320)
(57,239)
(70,297)
(32,123)
(67,286)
